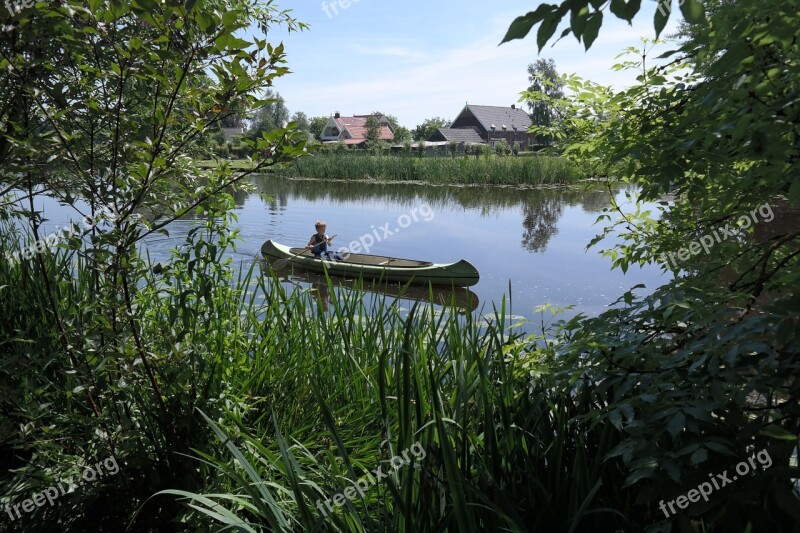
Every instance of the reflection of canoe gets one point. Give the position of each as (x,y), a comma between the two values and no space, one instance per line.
(461,298)
(460,274)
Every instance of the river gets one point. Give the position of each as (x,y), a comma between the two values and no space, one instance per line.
(531,242)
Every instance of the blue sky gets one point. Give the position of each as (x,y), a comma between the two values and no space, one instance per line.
(417,59)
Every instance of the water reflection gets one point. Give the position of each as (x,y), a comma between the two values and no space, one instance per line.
(541,208)
(460,299)
(539,218)
(530,243)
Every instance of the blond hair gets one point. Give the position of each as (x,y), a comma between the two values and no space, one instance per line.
(319,223)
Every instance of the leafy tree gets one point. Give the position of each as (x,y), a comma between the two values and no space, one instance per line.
(502,147)
(429,127)
(316,125)
(373,134)
(272,115)
(676,372)
(391,119)
(103,106)
(543,78)
(402,134)
(301,119)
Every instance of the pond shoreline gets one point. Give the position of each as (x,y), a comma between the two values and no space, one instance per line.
(521,186)
(240,164)
(489,170)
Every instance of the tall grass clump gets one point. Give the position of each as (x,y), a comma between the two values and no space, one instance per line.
(334,395)
(285,403)
(230,401)
(486,170)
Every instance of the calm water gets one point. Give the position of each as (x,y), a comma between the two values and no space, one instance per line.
(531,240)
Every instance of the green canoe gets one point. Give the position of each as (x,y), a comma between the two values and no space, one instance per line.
(460,274)
(461,299)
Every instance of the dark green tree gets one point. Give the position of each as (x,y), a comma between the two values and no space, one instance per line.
(272,115)
(103,106)
(301,119)
(700,373)
(316,125)
(543,78)
(429,127)
(373,133)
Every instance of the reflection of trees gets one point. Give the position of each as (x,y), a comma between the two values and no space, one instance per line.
(486,199)
(597,200)
(541,208)
(540,216)
(239,196)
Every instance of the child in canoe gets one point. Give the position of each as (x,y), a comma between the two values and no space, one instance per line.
(320,242)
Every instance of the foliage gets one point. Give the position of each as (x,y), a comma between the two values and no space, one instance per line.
(586,18)
(487,170)
(544,79)
(502,147)
(104,105)
(704,372)
(316,125)
(272,115)
(428,128)
(373,133)
(379,379)
(402,134)
(301,119)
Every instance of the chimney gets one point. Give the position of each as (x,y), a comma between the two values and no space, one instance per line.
(337,115)
(513,106)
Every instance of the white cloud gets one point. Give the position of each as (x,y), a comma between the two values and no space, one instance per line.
(397,78)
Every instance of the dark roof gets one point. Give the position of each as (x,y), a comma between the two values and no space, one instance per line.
(489,115)
(466,135)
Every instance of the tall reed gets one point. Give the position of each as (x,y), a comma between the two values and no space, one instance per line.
(335,394)
(492,170)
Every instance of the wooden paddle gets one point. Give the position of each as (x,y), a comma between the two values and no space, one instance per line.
(281,263)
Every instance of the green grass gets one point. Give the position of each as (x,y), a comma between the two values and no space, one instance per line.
(462,170)
(229,400)
(492,170)
(332,396)
(300,403)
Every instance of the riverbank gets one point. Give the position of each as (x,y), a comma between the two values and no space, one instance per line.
(463,170)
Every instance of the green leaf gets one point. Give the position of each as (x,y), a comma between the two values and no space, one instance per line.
(640,473)
(521,26)
(663,11)
(693,11)
(593,24)
(776,432)
(578,20)
(626,10)
(676,424)
(699,456)
(547,29)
